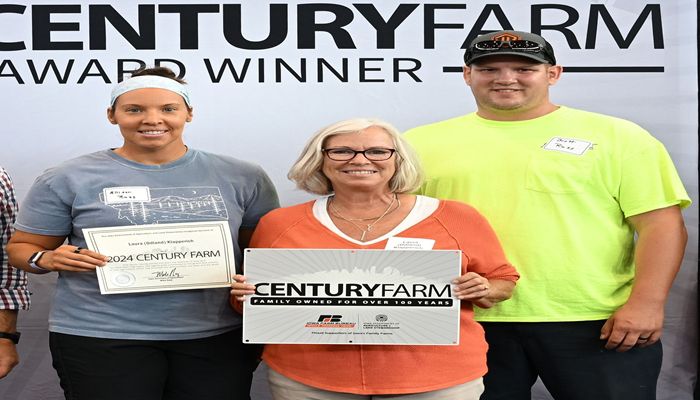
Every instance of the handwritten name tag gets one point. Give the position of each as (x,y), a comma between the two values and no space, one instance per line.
(568,145)
(126,194)
(402,243)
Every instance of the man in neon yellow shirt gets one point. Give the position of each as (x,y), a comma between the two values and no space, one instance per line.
(566,191)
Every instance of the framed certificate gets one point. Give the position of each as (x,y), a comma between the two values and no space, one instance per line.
(159,257)
(319,296)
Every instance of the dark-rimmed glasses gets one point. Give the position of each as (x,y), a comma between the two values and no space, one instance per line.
(347,154)
(525,45)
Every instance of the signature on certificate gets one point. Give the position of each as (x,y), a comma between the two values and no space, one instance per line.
(167,274)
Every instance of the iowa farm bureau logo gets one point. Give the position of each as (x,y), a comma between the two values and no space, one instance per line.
(329,321)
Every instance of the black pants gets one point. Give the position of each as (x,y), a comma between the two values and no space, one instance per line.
(570,359)
(214,368)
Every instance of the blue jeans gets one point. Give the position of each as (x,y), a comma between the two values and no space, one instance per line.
(570,359)
(213,368)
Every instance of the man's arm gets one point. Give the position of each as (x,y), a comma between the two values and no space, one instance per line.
(13,283)
(659,251)
(8,352)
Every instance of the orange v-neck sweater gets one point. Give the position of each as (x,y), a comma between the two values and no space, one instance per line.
(384,369)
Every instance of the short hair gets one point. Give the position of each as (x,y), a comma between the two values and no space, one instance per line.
(307,171)
(158,71)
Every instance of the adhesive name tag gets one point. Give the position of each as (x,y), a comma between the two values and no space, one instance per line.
(402,243)
(126,194)
(568,145)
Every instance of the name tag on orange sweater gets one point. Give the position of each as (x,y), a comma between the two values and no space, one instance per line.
(403,243)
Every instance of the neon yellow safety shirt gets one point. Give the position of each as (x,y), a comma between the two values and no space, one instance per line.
(556,190)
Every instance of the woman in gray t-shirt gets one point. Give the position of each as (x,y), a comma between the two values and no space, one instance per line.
(174,344)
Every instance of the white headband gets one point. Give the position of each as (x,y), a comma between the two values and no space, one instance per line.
(150,81)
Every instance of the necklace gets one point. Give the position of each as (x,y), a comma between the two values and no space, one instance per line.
(370,225)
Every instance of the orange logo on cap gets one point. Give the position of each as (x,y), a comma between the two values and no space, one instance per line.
(505,37)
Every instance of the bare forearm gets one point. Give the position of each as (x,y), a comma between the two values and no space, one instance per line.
(499,290)
(57,256)
(22,245)
(8,321)
(19,253)
(658,256)
(8,351)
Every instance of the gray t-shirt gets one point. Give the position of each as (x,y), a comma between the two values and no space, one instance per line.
(197,187)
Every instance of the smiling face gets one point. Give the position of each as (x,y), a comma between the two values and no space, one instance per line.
(151,121)
(508,88)
(360,174)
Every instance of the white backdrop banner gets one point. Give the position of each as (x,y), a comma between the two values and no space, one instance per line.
(265,75)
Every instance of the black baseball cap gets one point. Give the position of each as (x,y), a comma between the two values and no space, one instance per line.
(516,43)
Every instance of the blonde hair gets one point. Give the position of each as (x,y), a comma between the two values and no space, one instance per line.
(307,171)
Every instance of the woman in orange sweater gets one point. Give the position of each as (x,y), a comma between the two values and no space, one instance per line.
(367,173)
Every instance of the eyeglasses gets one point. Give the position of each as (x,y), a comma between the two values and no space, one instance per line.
(525,45)
(347,154)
